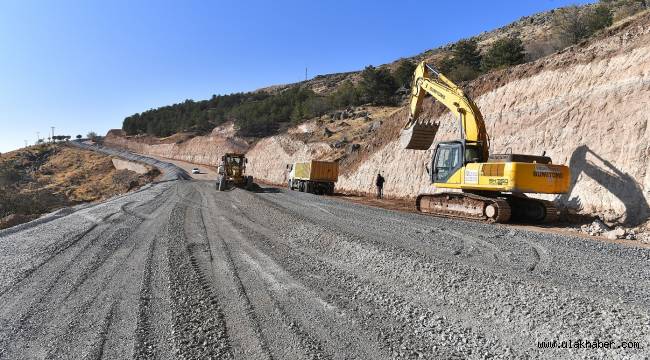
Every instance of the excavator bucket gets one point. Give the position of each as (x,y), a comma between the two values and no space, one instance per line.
(419,136)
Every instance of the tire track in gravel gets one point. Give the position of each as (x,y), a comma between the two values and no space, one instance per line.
(244,330)
(285,333)
(300,261)
(83,263)
(305,312)
(67,245)
(36,296)
(152,335)
(199,329)
(288,331)
(523,304)
(143,346)
(473,243)
(76,317)
(98,348)
(104,263)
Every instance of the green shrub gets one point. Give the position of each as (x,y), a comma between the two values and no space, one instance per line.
(573,24)
(377,86)
(503,53)
(465,52)
(598,18)
(345,95)
(403,74)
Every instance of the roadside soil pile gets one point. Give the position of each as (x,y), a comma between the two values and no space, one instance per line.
(585,106)
(41,179)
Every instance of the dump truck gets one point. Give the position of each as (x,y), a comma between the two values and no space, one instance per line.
(232,171)
(316,177)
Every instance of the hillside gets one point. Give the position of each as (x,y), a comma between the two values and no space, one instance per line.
(583,105)
(41,179)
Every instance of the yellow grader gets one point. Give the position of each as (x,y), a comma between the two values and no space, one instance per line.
(232,172)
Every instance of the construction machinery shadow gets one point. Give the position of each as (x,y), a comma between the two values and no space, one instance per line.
(264,190)
(620,184)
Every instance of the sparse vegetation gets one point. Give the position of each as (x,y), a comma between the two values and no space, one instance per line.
(574,24)
(504,53)
(464,62)
(44,178)
(404,73)
(625,8)
(377,86)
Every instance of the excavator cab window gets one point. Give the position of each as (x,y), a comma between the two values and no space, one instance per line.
(446,161)
(473,154)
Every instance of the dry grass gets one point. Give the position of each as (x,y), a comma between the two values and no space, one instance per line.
(41,179)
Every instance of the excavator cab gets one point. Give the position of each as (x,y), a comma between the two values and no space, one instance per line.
(450,156)
(446,161)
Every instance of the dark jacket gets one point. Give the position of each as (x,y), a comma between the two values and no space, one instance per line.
(380,181)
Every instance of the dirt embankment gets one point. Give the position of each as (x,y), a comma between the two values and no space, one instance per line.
(41,179)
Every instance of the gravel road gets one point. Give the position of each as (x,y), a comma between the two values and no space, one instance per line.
(179,270)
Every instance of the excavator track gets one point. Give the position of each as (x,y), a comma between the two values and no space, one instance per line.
(465,206)
(530,210)
(501,209)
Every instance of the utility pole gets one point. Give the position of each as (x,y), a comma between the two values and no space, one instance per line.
(52,133)
(38,137)
(305,74)
(26,143)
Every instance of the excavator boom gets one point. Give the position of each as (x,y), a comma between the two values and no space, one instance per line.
(419,134)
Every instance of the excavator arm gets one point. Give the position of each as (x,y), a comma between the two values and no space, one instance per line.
(419,135)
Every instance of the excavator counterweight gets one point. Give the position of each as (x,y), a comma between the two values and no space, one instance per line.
(493,187)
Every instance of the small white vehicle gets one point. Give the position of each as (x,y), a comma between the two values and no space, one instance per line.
(196,171)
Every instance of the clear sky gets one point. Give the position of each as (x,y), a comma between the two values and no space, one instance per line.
(85,65)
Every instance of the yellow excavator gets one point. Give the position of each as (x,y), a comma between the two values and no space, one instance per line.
(493,186)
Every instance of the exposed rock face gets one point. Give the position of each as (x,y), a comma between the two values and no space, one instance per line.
(268,159)
(205,150)
(138,168)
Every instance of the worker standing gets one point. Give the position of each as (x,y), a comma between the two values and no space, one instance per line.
(380,186)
